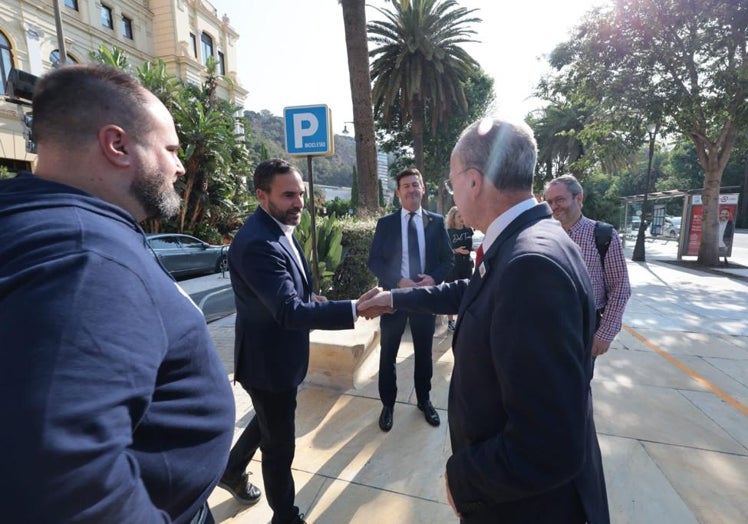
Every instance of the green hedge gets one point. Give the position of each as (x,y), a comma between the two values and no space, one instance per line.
(352,277)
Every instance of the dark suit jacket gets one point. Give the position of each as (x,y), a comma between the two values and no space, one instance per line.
(520,409)
(273,309)
(385,256)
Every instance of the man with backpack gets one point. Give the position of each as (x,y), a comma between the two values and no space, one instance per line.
(603,255)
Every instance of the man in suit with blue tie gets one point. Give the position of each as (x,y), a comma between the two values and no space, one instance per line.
(411,248)
(524,446)
(275,309)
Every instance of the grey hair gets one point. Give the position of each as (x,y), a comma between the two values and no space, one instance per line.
(570,181)
(504,152)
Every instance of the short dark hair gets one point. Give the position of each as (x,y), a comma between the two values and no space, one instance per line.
(71,103)
(407,172)
(504,152)
(266,171)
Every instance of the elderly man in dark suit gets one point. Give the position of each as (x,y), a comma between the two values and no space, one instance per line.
(410,248)
(524,447)
(275,310)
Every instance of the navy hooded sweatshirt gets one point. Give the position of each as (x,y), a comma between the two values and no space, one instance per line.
(114,404)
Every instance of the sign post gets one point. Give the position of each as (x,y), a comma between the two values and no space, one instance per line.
(309,133)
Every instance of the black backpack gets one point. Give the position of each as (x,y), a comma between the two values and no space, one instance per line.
(603,235)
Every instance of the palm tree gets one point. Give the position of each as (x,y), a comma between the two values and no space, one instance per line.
(419,63)
(354,20)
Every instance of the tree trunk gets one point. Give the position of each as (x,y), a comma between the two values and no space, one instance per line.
(418,124)
(354,21)
(713,157)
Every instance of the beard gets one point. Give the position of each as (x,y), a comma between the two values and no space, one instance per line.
(159,201)
(285,217)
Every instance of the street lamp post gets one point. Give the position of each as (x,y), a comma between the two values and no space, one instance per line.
(639,255)
(345,126)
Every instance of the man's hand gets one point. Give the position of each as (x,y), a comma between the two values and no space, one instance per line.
(462,251)
(449,497)
(426,280)
(599,346)
(374,302)
(406,282)
(318,298)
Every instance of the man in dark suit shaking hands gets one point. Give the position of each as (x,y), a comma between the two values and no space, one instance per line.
(524,446)
(275,310)
(411,248)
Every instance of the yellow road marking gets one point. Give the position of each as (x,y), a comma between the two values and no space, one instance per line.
(742,408)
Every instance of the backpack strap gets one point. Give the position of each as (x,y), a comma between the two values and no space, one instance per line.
(603,236)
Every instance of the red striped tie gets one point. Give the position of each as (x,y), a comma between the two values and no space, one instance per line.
(479,256)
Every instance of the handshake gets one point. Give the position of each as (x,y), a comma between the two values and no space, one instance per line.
(374,303)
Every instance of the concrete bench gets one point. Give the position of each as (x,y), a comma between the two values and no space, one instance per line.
(341,359)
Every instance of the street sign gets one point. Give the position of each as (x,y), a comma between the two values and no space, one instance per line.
(308,131)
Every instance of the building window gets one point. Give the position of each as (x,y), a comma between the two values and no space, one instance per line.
(207,47)
(193,41)
(126,27)
(221,64)
(106,17)
(54,57)
(6,61)
(72,4)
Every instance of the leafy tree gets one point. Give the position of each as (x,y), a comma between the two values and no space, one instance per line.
(419,63)
(680,64)
(354,20)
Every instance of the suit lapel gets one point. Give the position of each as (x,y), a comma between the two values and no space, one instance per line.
(286,245)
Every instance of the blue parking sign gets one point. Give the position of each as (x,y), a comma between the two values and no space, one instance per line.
(308,130)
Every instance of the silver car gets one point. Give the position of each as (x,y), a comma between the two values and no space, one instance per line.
(184,255)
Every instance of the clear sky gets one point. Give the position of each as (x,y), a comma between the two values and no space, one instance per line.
(292,52)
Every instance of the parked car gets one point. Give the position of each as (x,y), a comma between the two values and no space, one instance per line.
(184,255)
(669,229)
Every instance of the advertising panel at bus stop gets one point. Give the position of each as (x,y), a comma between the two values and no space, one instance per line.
(728,207)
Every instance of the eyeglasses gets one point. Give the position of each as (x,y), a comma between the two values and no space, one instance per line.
(448,183)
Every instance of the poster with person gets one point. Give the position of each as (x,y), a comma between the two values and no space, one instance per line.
(728,207)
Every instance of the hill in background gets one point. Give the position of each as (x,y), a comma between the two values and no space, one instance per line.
(268,132)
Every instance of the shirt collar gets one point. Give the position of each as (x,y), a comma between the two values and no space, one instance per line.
(503,220)
(404,213)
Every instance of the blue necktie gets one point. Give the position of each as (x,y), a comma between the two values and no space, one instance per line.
(414,253)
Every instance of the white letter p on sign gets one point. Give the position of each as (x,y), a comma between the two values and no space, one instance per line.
(304,124)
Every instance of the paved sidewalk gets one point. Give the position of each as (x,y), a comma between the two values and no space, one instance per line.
(671,407)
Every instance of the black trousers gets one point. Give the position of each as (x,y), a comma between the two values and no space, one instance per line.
(392,328)
(273,430)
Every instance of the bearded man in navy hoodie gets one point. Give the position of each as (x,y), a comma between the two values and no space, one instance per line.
(114,404)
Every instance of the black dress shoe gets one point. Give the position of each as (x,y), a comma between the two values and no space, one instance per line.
(429,413)
(242,489)
(385,418)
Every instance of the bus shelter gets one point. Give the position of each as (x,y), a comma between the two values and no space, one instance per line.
(676,215)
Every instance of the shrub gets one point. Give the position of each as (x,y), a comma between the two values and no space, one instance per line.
(352,276)
(329,247)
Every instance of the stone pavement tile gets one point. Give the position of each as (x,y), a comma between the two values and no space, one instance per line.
(346,502)
(713,485)
(632,368)
(692,343)
(721,373)
(722,413)
(342,440)
(637,490)
(443,362)
(739,341)
(226,510)
(737,369)
(656,414)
